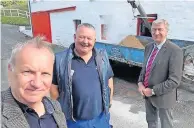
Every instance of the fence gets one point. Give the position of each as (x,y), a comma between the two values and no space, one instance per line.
(14,13)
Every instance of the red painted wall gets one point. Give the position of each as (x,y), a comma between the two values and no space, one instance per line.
(41,25)
(41,22)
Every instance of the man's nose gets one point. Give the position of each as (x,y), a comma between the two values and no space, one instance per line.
(157,32)
(85,40)
(37,81)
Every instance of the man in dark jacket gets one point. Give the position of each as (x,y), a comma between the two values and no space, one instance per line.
(83,81)
(24,104)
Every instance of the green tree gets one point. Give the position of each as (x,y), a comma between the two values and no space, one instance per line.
(15,4)
(6,3)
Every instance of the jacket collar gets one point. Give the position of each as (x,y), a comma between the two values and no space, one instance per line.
(15,117)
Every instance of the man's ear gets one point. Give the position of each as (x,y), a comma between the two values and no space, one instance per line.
(10,73)
(10,68)
(74,36)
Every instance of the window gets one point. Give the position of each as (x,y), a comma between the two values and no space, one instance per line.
(104,20)
(142,30)
(103,31)
(76,23)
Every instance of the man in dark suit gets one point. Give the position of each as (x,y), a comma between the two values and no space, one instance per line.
(160,76)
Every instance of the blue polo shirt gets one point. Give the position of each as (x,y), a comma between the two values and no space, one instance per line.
(86,89)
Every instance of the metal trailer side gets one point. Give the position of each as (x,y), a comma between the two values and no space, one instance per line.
(135,56)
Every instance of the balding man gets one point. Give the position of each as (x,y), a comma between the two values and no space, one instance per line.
(83,81)
(24,104)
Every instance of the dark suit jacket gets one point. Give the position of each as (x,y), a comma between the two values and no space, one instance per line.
(166,73)
(13,117)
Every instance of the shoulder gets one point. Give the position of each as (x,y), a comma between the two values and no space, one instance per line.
(61,54)
(101,52)
(174,49)
(3,93)
(8,103)
(149,45)
(3,99)
(6,95)
(173,46)
(54,103)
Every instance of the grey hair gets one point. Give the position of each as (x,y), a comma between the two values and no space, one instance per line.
(86,25)
(39,42)
(161,21)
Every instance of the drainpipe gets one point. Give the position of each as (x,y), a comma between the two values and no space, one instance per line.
(30,19)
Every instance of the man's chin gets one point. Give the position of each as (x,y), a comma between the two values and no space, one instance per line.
(85,51)
(158,41)
(33,99)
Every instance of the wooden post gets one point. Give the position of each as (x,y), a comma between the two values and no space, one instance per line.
(3,12)
(26,14)
(10,12)
(18,12)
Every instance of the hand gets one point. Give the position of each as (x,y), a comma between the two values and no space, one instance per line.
(141,88)
(147,92)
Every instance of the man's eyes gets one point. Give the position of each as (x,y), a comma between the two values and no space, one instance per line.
(82,37)
(46,73)
(160,29)
(27,72)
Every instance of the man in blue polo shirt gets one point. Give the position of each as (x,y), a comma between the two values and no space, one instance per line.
(82,81)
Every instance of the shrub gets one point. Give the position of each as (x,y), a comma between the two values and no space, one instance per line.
(15,20)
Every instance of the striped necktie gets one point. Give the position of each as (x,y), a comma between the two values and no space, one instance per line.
(149,65)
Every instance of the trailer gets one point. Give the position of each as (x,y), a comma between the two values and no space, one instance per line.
(135,56)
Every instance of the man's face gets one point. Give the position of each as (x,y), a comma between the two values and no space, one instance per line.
(84,40)
(32,74)
(159,32)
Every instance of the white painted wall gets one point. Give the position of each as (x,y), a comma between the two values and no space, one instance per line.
(120,18)
(179,15)
(62,28)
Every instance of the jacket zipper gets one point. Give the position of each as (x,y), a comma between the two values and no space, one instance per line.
(102,83)
(70,87)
